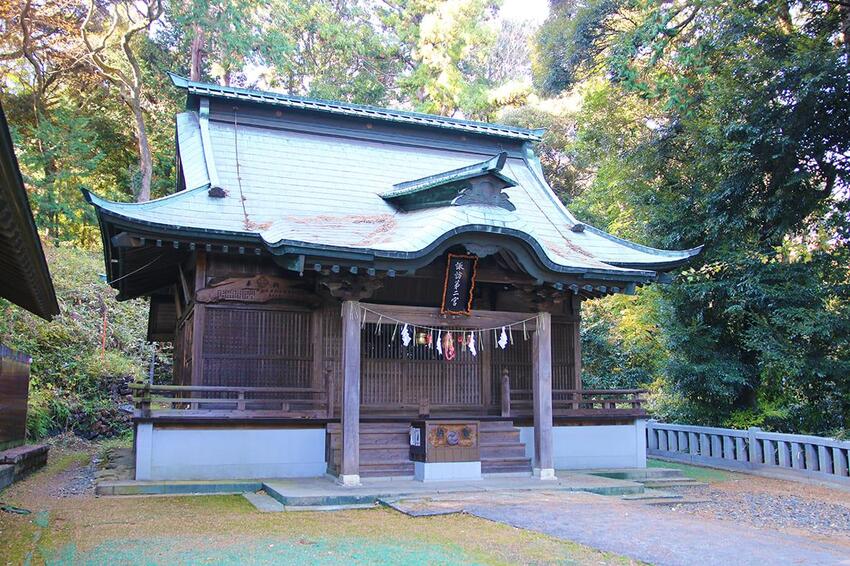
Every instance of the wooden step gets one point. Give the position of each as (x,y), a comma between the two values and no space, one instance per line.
(369,456)
(384,449)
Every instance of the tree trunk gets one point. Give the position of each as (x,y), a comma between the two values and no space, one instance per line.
(197,53)
(145,159)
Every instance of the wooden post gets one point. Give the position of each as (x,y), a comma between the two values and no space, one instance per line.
(424,407)
(199,320)
(544,467)
(317,346)
(486,352)
(350,468)
(576,338)
(330,390)
(506,393)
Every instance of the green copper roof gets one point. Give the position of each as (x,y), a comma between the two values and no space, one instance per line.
(354,110)
(492,166)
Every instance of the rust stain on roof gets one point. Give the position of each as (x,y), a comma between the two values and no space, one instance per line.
(370,227)
(569,249)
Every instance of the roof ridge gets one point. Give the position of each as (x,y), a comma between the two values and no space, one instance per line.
(361,110)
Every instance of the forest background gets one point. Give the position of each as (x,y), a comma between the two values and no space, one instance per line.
(674,123)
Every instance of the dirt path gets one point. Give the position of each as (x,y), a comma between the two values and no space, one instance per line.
(659,536)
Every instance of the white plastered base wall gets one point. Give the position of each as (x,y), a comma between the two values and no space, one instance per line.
(602,446)
(170,453)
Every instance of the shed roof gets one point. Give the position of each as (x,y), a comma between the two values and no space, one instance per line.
(24,277)
(302,192)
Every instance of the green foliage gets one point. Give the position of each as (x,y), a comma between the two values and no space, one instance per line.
(724,124)
(73,384)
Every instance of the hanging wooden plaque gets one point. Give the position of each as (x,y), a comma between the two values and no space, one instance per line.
(257,289)
(459,284)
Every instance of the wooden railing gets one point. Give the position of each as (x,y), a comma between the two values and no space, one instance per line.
(752,449)
(575,402)
(292,402)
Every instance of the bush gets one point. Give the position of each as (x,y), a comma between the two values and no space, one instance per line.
(74,384)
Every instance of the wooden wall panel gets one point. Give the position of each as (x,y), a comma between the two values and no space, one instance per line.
(182,365)
(395,374)
(563,355)
(14,391)
(517,359)
(258,346)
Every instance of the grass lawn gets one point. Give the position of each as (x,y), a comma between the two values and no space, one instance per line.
(707,475)
(226,529)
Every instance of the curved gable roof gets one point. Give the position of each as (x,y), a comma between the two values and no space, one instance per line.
(292,191)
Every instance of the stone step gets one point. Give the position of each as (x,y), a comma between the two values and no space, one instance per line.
(7,475)
(25,459)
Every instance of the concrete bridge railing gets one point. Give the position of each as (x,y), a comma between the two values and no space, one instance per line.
(814,457)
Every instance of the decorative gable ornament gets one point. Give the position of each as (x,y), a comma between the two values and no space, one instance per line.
(478,184)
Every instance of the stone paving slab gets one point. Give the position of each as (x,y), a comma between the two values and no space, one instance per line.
(658,536)
(187,487)
(263,502)
(325,491)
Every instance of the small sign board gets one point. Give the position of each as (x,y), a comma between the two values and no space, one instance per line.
(459,284)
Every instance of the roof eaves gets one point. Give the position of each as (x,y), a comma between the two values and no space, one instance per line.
(42,295)
(357,110)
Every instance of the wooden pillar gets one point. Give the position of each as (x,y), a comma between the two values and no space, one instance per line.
(485,349)
(318,369)
(199,320)
(350,469)
(544,467)
(576,338)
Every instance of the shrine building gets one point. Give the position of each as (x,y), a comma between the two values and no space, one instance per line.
(367,292)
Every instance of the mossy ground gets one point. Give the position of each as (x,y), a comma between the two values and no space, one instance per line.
(226,529)
(707,475)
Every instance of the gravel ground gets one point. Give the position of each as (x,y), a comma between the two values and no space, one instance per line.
(774,504)
(773,511)
(76,481)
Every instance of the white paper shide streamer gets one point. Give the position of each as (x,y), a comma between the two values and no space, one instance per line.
(503,339)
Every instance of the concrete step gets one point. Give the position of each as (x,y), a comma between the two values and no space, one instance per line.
(652,495)
(264,502)
(671,482)
(636,474)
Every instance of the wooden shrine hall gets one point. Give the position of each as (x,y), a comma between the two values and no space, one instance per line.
(367,292)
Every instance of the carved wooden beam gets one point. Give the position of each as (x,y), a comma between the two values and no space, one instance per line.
(350,286)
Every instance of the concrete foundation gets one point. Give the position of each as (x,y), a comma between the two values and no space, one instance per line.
(587,447)
(196,453)
(446,471)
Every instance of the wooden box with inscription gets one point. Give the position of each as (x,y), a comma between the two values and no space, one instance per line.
(444,441)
